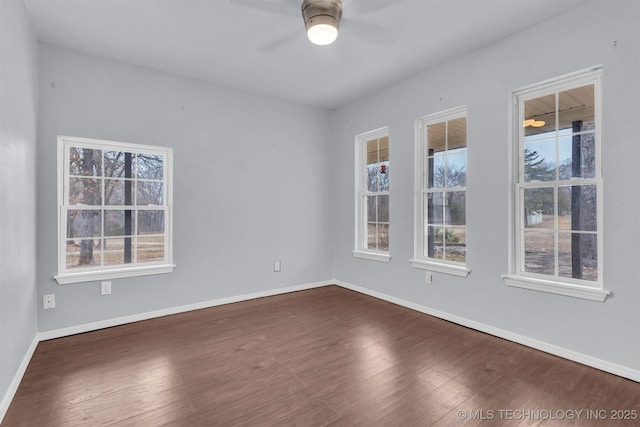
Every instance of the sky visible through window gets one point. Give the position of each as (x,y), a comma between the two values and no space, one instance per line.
(545,145)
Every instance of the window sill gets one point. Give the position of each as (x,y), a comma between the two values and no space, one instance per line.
(555,287)
(90,276)
(373,256)
(438,267)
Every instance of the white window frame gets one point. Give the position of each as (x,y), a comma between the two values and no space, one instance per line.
(93,273)
(421,260)
(361,250)
(517,277)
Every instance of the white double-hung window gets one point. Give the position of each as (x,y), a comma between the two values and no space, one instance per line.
(372,195)
(441,193)
(557,236)
(114,217)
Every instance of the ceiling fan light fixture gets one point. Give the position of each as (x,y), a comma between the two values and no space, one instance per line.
(322,34)
(322,20)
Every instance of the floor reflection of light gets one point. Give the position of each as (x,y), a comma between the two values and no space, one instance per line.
(136,384)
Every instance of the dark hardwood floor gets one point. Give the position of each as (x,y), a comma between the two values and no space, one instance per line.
(322,357)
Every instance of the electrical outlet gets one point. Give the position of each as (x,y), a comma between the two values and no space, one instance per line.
(105,288)
(428,277)
(49,301)
(277,265)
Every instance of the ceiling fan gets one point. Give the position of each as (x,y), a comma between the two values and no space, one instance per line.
(322,18)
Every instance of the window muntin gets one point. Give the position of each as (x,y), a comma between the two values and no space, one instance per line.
(558,188)
(114,209)
(441,150)
(372,188)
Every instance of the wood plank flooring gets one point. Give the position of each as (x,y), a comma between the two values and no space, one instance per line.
(322,357)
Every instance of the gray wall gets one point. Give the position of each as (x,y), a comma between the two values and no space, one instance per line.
(250,184)
(18,101)
(604,33)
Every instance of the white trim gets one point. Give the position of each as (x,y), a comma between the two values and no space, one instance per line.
(517,277)
(116,273)
(17,378)
(420,260)
(556,287)
(438,267)
(360,190)
(87,327)
(78,275)
(373,256)
(594,362)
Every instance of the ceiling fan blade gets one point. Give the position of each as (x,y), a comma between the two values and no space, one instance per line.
(368,31)
(365,7)
(282,41)
(280,7)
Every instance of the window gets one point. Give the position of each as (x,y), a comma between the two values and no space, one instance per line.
(558,187)
(372,195)
(441,193)
(114,210)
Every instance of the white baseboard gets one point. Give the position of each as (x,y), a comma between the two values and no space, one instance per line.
(17,378)
(565,353)
(87,327)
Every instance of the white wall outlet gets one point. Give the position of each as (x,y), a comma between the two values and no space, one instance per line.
(277,266)
(105,288)
(49,301)
(428,278)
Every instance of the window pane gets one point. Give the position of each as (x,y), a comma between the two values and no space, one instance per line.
(119,223)
(149,193)
(435,208)
(456,208)
(372,152)
(436,172)
(383,148)
(85,161)
(457,169)
(372,165)
(577,156)
(578,256)
(434,243)
(114,251)
(118,164)
(149,166)
(383,176)
(383,237)
(577,208)
(372,236)
(372,178)
(83,253)
(539,115)
(371,209)
(150,249)
(539,252)
(151,222)
(383,208)
(576,109)
(538,208)
(455,244)
(115,193)
(436,138)
(457,133)
(83,223)
(85,191)
(540,160)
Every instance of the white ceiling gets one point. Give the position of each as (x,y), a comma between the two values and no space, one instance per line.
(260,45)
